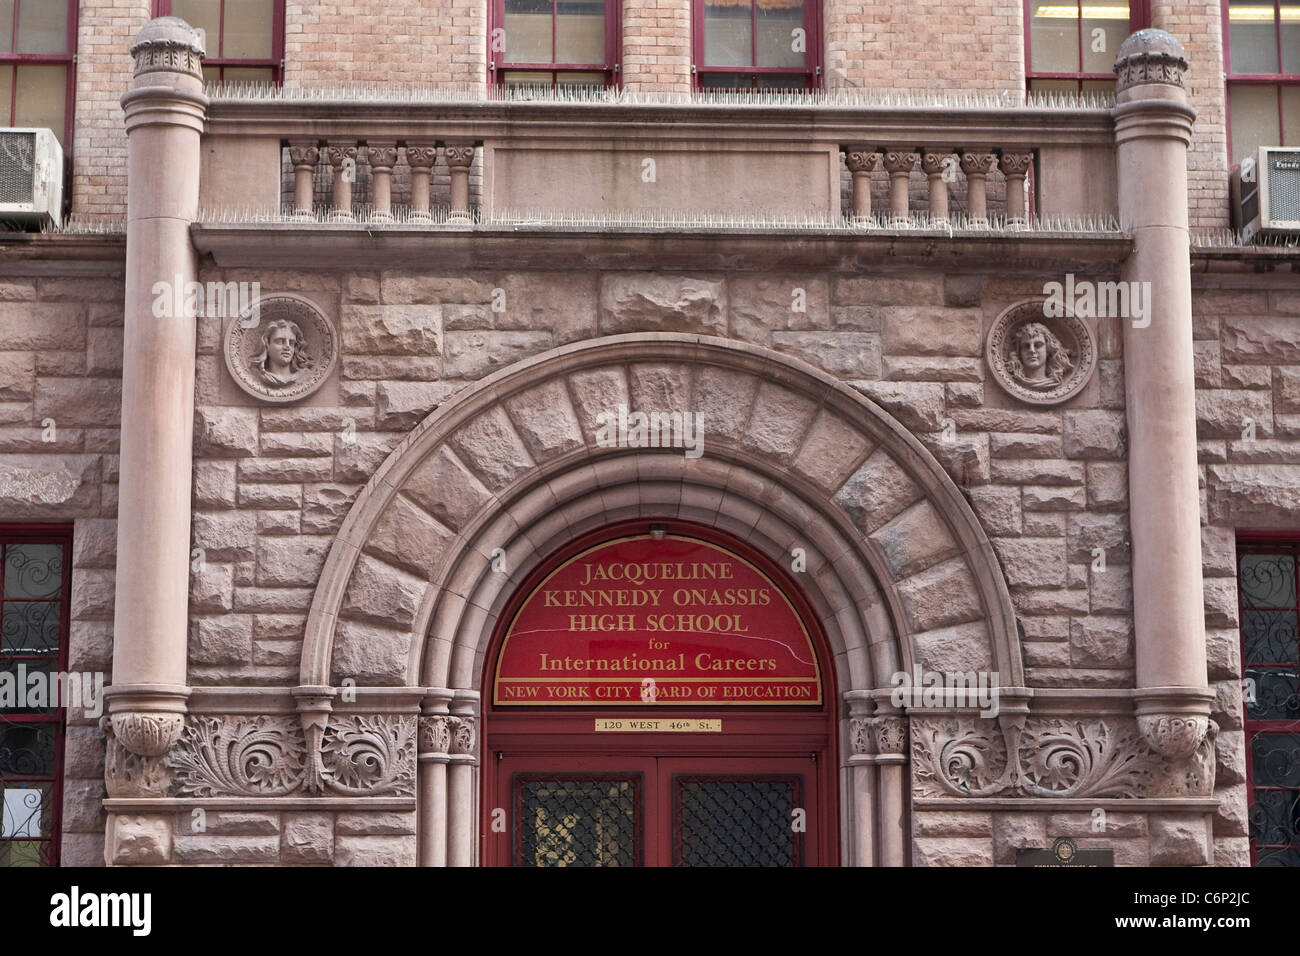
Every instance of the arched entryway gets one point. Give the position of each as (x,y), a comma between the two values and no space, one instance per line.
(895,568)
(657,694)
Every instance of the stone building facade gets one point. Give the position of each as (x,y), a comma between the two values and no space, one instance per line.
(297,560)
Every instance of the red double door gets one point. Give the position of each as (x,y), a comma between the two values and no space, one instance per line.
(578,809)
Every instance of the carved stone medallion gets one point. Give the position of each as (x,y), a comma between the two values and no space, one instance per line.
(1038,359)
(282,351)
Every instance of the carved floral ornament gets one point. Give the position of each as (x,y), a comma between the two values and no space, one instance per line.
(355,755)
(1038,359)
(283,350)
(961,756)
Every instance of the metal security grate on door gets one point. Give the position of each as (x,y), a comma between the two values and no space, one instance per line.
(578,821)
(736,821)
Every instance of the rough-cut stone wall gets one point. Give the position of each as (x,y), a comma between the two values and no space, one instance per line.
(297,836)
(273,484)
(896,45)
(979,837)
(416,42)
(1247,329)
(60,390)
(105,31)
(1198,26)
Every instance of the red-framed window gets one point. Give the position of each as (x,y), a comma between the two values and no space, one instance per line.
(1261,59)
(1268,588)
(1070,45)
(244,39)
(756,44)
(554,43)
(35,587)
(38,43)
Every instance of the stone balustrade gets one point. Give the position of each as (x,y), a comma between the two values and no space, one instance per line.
(429,163)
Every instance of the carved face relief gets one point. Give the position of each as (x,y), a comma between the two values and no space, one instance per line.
(286,354)
(1040,360)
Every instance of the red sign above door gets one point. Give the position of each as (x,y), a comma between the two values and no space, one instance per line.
(640,622)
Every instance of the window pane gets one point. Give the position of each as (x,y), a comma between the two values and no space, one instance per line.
(1054,37)
(780,81)
(42,99)
(203,15)
(728,33)
(1252,36)
(248,33)
(248,74)
(1267,580)
(6,94)
(6,26)
(43,26)
(528,31)
(580,31)
(26,750)
(212,74)
(782,39)
(1291,36)
(1098,86)
(29,627)
(1275,761)
(1276,694)
(1254,119)
(26,812)
(1290,115)
(33,570)
(1053,86)
(725,81)
(580,79)
(1105,27)
(1268,637)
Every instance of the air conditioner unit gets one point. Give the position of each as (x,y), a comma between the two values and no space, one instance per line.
(1266,193)
(31,176)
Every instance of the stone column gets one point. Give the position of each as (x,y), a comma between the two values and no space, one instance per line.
(1015,166)
(304,157)
(165,113)
(932,165)
(434,755)
(899,163)
(461,810)
(861,772)
(459,158)
(382,159)
(344,160)
(977,167)
(1153,127)
(890,738)
(861,162)
(421,160)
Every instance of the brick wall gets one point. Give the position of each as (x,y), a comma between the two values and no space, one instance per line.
(657,45)
(105,31)
(439,42)
(898,45)
(1197,25)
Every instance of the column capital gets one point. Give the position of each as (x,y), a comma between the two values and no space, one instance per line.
(900,161)
(167,45)
(978,163)
(421,157)
(1014,164)
(459,154)
(861,159)
(381,156)
(1150,56)
(304,154)
(932,161)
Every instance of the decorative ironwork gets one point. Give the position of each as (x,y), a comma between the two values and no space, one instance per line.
(1268,586)
(29,627)
(579,820)
(736,821)
(33,571)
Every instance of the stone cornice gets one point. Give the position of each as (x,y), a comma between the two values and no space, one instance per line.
(288,246)
(712,124)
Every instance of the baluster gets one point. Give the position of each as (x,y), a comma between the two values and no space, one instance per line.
(382,159)
(421,160)
(932,164)
(459,158)
(899,163)
(861,161)
(344,161)
(977,166)
(1015,166)
(304,157)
